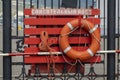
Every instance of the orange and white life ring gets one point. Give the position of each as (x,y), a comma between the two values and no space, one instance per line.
(94,33)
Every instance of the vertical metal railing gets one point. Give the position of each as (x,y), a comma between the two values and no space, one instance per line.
(16,18)
(118,41)
(7,67)
(101,4)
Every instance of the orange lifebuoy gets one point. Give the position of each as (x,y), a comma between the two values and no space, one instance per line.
(94,33)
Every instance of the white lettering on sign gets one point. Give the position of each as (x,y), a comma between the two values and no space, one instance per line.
(61,12)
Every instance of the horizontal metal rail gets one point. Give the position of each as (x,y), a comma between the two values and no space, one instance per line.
(53,53)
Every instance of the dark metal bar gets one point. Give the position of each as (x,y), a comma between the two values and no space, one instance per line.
(104,26)
(99,4)
(86,3)
(45,4)
(111,39)
(58,4)
(79,3)
(31,6)
(16,18)
(118,23)
(23,14)
(7,70)
(118,66)
(51,4)
(93,3)
(23,66)
(67,4)
(37,4)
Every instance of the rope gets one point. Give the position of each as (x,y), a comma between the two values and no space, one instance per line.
(93,33)
(69,32)
(45,46)
(96,39)
(61,50)
(79,41)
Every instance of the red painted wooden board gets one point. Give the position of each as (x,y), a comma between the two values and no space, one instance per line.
(72,40)
(90,12)
(59,59)
(56,48)
(47,21)
(50,30)
(53,25)
(32,49)
(54,21)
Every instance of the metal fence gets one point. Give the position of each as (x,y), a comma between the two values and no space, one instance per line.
(97,71)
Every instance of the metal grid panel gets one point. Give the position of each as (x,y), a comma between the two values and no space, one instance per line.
(102,4)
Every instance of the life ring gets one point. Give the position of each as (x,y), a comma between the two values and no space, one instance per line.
(95,39)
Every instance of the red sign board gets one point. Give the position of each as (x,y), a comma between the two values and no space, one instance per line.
(61,11)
